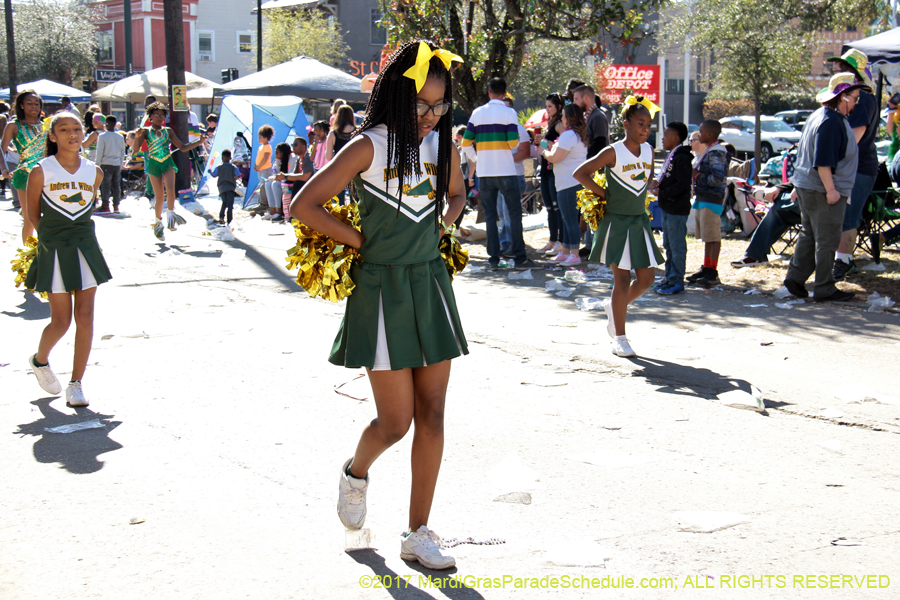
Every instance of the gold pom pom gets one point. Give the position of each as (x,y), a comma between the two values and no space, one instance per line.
(592,207)
(22,262)
(325,264)
(455,258)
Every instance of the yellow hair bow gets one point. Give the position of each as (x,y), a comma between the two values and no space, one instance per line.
(419,71)
(648,104)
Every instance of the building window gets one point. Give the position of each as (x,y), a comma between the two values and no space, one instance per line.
(245,42)
(104,46)
(206,45)
(377,33)
(851,28)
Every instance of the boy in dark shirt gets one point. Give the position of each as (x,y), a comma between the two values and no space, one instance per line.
(227,184)
(673,189)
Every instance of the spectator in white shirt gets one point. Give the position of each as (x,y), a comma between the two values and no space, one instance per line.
(110,155)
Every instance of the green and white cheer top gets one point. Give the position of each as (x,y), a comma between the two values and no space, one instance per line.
(402,313)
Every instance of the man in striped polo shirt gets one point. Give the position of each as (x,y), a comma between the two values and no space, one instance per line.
(491,134)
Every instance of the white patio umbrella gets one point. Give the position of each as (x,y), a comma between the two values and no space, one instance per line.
(156,82)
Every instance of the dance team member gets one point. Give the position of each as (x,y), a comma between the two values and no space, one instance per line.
(401,321)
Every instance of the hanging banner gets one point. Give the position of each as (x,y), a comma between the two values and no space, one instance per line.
(642,80)
(179,98)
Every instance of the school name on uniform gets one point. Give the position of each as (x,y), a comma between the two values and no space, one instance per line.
(394,172)
(637,165)
(71,185)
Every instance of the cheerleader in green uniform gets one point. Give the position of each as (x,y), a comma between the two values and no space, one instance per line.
(28,135)
(160,167)
(401,321)
(68,265)
(624,239)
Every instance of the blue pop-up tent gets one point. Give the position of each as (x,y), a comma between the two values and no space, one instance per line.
(245,115)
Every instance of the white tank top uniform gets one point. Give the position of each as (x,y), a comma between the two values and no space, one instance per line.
(68,257)
(624,237)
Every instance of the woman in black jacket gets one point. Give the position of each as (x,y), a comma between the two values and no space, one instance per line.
(673,189)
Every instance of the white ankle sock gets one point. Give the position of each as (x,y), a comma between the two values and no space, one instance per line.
(844,257)
(621,338)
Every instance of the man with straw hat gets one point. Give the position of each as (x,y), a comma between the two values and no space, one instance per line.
(824,176)
(864,121)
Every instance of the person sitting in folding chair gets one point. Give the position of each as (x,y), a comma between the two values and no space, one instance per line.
(781,216)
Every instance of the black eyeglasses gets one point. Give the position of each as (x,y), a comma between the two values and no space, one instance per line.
(439,110)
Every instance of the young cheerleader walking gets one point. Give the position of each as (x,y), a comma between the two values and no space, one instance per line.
(28,135)
(160,167)
(624,239)
(401,321)
(68,264)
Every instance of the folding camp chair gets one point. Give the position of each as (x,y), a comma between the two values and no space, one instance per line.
(531,199)
(881,209)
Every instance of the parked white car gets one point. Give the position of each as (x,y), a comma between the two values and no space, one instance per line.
(777,135)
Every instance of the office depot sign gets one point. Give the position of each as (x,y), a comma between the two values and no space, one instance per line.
(643,80)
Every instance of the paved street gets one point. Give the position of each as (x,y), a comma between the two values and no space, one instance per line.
(224,435)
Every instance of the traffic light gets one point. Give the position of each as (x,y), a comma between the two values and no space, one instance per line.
(86,86)
(229,75)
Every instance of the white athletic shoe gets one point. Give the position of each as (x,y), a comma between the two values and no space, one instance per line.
(75,395)
(266,217)
(424,546)
(159,230)
(45,376)
(351,506)
(621,347)
(174,220)
(610,322)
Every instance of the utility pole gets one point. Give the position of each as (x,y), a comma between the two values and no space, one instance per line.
(178,121)
(11,51)
(258,35)
(129,64)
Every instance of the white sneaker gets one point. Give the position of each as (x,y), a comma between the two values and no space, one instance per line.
(572,259)
(75,395)
(159,230)
(351,506)
(556,249)
(610,322)
(45,376)
(267,217)
(560,257)
(424,546)
(622,348)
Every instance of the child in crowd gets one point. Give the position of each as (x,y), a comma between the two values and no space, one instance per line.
(401,321)
(274,187)
(68,265)
(263,163)
(624,239)
(709,175)
(226,175)
(673,190)
(318,150)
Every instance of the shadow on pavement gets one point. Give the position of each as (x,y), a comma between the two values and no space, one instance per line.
(440,580)
(33,309)
(683,380)
(77,452)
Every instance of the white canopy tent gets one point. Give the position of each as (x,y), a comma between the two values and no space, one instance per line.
(50,91)
(301,76)
(156,83)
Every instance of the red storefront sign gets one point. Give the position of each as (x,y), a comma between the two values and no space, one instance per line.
(642,80)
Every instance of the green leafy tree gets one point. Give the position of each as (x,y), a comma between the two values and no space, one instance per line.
(760,47)
(546,67)
(493,37)
(292,33)
(54,40)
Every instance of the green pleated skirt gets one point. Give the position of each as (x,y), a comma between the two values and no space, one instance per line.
(158,169)
(67,266)
(626,241)
(20,179)
(399,317)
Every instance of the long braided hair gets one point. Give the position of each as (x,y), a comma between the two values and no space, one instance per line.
(393,103)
